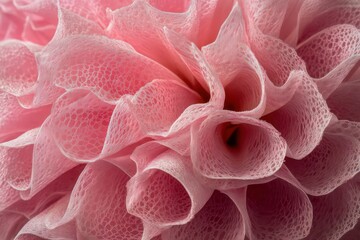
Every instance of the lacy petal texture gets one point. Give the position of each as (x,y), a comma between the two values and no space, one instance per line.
(180,119)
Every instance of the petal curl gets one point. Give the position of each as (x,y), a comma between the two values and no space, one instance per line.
(100,193)
(18,79)
(315,16)
(335,213)
(302,120)
(166,191)
(108,67)
(220,218)
(330,55)
(333,162)
(236,66)
(278,210)
(243,148)
(344,103)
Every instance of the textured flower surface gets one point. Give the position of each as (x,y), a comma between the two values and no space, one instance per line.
(186,119)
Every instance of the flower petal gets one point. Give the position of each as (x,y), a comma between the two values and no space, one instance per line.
(278,210)
(166,192)
(79,123)
(109,68)
(333,162)
(15,120)
(160,103)
(344,103)
(302,120)
(334,52)
(230,146)
(218,219)
(320,14)
(97,202)
(267,15)
(236,66)
(19,78)
(335,213)
(277,58)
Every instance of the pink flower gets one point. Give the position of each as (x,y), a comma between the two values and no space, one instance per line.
(189,119)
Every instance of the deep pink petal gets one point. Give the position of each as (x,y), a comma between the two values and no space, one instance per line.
(10,224)
(333,162)
(302,120)
(276,57)
(320,14)
(236,66)
(344,101)
(278,210)
(335,213)
(329,48)
(230,146)
(218,219)
(353,234)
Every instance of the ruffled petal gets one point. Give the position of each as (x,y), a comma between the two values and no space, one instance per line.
(95,11)
(79,123)
(229,146)
(236,66)
(97,202)
(10,224)
(159,104)
(109,68)
(204,81)
(11,21)
(335,213)
(333,162)
(320,14)
(278,210)
(71,23)
(165,192)
(17,79)
(302,120)
(344,103)
(48,163)
(17,159)
(15,120)
(330,55)
(38,19)
(276,57)
(220,218)
(142,23)
(53,191)
(267,15)
(38,225)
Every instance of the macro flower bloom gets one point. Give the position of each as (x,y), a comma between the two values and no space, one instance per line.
(180,120)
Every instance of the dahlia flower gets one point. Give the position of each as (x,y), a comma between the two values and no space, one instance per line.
(180,119)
